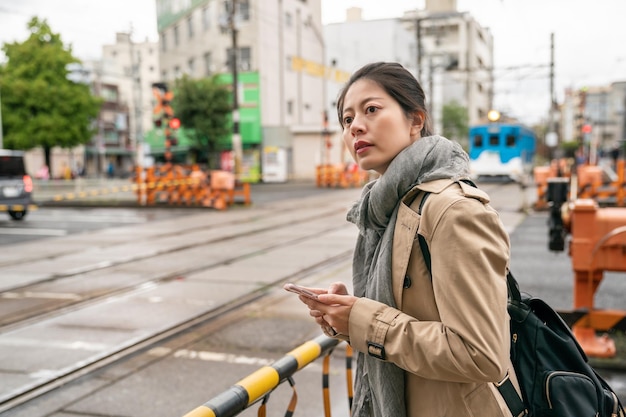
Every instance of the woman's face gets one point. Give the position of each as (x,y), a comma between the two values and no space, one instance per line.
(375,128)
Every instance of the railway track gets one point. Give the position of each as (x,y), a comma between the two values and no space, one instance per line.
(58,309)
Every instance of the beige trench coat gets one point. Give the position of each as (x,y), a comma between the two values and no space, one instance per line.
(450,334)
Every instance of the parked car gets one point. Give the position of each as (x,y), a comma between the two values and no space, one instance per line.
(16,186)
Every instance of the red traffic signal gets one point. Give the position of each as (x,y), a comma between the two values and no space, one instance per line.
(586,128)
(175,123)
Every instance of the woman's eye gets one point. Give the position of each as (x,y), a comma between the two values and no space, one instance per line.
(347,120)
(371,109)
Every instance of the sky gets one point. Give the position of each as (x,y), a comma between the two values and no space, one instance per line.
(589,37)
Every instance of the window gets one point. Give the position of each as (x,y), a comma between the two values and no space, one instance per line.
(176,35)
(494,140)
(244,9)
(190,66)
(207,64)
(190,26)
(109,94)
(177,73)
(244,60)
(163,42)
(111,137)
(290,107)
(288,19)
(245,63)
(510,141)
(478,141)
(206,18)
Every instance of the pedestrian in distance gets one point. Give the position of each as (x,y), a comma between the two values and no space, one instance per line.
(428,342)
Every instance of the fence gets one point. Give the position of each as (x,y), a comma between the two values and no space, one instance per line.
(259,385)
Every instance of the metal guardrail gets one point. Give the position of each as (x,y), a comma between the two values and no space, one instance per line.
(259,384)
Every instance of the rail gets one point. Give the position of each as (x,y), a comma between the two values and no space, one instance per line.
(258,385)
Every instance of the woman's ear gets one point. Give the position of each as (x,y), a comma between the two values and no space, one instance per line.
(418,123)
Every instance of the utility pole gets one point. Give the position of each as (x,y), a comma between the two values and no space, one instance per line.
(1,134)
(551,140)
(418,47)
(137,100)
(237,146)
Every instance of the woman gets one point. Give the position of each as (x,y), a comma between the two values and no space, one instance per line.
(426,345)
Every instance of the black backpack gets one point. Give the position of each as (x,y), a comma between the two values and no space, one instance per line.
(552,369)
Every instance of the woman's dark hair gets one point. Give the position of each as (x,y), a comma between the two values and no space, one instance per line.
(399,83)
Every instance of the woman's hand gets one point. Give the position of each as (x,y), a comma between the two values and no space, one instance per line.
(332,308)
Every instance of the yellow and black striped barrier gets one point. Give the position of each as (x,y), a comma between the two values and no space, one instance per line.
(18,207)
(94,193)
(259,384)
(120,189)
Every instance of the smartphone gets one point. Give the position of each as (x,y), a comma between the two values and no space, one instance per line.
(300,290)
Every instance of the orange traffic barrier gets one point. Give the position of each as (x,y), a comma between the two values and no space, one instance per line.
(598,244)
(541,175)
(340,176)
(188,185)
(591,183)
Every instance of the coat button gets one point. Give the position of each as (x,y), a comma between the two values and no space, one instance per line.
(407,281)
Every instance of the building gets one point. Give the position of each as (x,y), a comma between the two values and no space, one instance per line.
(595,118)
(448,51)
(111,151)
(349,45)
(280,72)
(133,67)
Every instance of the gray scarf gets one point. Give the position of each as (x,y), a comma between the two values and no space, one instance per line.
(379,387)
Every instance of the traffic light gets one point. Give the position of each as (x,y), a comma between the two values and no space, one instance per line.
(174,123)
(162,111)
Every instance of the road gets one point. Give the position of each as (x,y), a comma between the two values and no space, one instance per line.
(87,318)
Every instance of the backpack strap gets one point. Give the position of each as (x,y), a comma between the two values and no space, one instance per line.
(505,387)
(422,239)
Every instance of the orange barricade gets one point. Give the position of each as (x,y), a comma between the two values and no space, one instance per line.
(598,244)
(188,185)
(340,176)
(591,183)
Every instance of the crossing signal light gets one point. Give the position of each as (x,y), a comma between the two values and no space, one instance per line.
(174,123)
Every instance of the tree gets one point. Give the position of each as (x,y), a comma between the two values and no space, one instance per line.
(204,106)
(40,105)
(455,121)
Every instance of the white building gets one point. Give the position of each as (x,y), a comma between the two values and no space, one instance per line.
(455,62)
(281,76)
(133,67)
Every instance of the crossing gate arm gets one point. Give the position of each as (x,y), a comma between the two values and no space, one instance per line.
(261,382)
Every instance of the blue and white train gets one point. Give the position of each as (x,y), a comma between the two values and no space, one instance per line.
(502,150)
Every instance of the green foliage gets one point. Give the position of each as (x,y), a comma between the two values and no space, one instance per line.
(204,106)
(40,105)
(455,121)
(570,148)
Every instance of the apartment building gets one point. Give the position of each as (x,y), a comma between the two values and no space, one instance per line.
(133,67)
(448,51)
(595,117)
(280,70)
